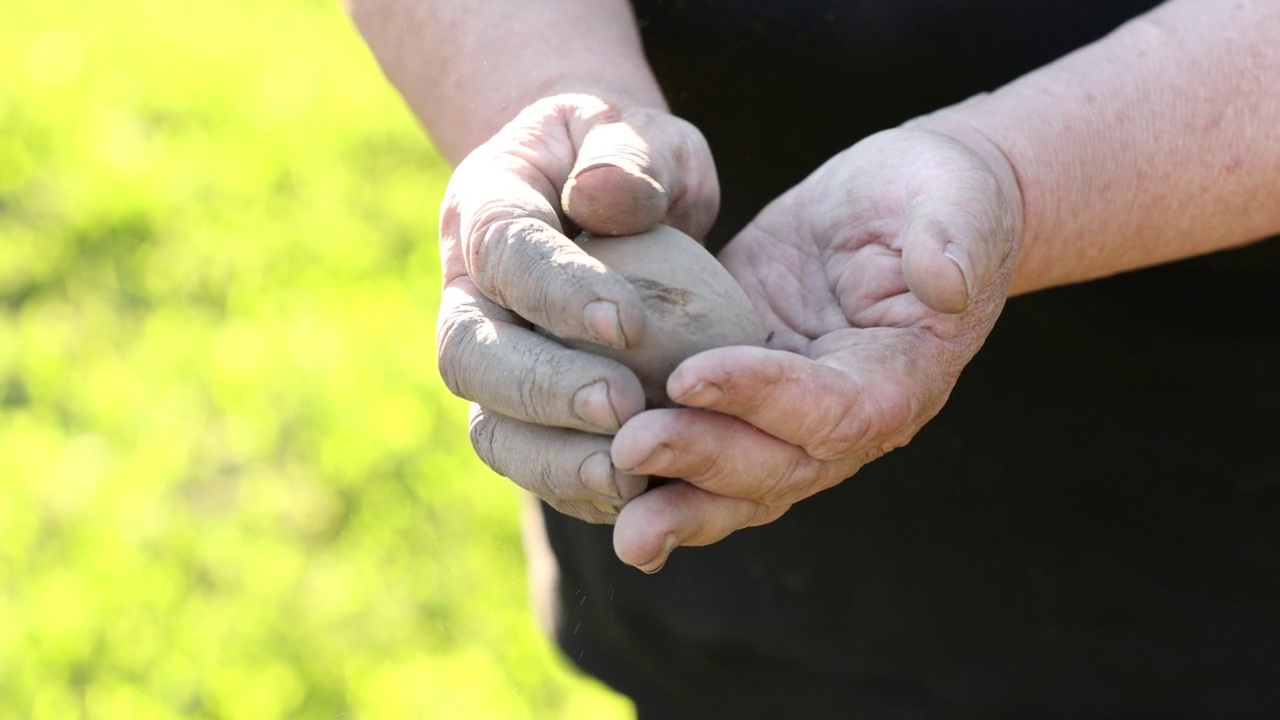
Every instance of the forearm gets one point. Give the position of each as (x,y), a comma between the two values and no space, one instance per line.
(1159,142)
(466,68)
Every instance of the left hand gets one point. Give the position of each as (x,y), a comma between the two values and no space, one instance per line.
(877,278)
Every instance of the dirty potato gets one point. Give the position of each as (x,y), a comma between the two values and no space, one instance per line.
(691,303)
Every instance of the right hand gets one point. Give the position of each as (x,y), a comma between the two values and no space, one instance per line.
(542,413)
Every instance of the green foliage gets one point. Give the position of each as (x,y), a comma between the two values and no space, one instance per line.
(232,484)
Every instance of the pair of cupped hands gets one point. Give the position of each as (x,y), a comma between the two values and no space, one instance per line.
(877,279)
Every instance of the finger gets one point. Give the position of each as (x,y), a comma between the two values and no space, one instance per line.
(499,227)
(636,170)
(593,512)
(830,412)
(680,515)
(958,233)
(555,464)
(486,357)
(611,190)
(723,455)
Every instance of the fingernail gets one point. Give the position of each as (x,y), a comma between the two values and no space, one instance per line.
(602,165)
(702,394)
(591,404)
(618,170)
(656,564)
(958,255)
(601,318)
(596,473)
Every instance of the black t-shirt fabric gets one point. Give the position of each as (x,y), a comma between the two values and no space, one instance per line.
(1090,528)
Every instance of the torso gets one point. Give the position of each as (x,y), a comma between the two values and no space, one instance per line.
(1092,525)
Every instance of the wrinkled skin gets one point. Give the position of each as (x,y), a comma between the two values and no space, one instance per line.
(878,278)
(542,413)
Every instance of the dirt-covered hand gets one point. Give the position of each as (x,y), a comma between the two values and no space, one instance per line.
(542,413)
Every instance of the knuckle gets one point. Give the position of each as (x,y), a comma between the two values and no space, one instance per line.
(534,460)
(450,215)
(488,241)
(896,410)
(868,423)
(457,341)
(841,437)
(509,262)
(538,387)
(693,148)
(774,487)
(531,380)
(483,429)
(589,111)
(542,475)
(793,483)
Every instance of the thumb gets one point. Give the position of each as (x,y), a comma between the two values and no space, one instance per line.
(636,170)
(958,234)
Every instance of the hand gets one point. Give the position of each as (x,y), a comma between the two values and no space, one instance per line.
(542,413)
(877,278)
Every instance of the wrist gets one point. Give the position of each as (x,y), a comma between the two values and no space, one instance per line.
(467,68)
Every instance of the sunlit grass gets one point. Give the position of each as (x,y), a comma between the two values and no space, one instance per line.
(231,482)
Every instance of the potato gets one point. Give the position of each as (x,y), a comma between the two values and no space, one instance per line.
(691,303)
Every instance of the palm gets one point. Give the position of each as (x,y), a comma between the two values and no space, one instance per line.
(819,271)
(809,285)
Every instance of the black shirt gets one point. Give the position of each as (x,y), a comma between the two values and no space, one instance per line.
(1090,528)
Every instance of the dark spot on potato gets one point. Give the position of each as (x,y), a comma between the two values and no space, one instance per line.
(691,303)
(652,290)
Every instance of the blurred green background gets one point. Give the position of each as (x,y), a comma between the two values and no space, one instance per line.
(232,484)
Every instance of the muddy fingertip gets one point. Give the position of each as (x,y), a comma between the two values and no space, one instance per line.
(608,200)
